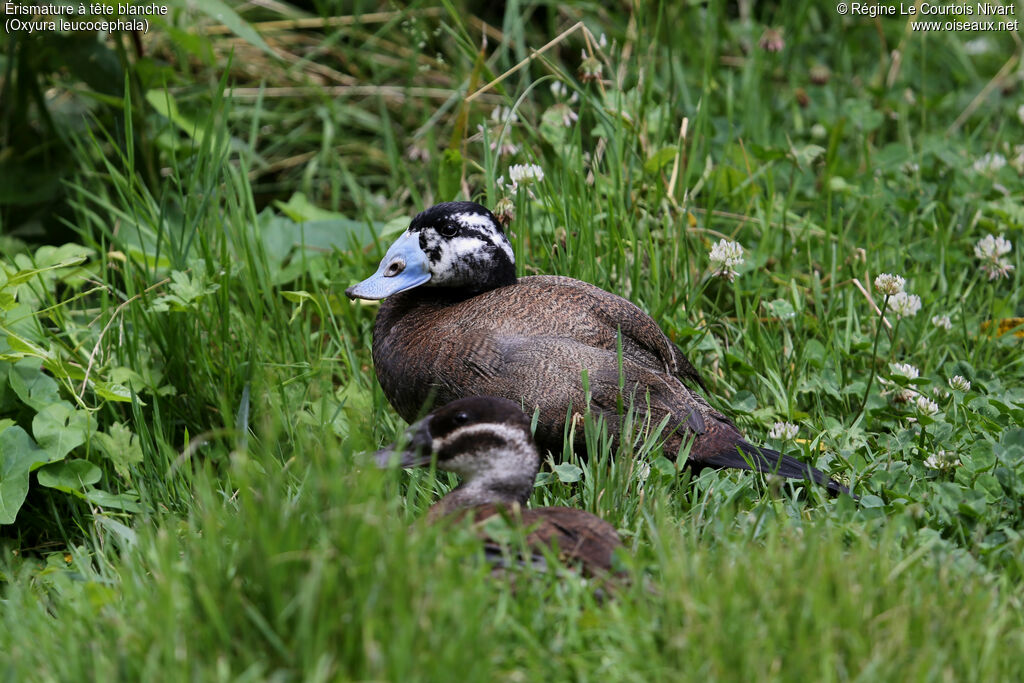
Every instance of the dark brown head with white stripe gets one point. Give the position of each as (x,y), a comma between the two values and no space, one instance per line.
(483,439)
(456,245)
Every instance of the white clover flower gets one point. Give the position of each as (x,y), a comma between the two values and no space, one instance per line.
(525,174)
(991,251)
(785,431)
(1020,113)
(522,175)
(989,163)
(998,270)
(905,305)
(942,321)
(904,395)
(959,383)
(926,406)
(725,256)
(416,152)
(939,392)
(942,460)
(561,111)
(989,247)
(504,209)
(590,68)
(889,284)
(602,42)
(503,114)
(507,148)
(561,92)
(772,39)
(978,46)
(1017,162)
(564,112)
(905,370)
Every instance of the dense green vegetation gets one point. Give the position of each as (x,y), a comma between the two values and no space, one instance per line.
(187,398)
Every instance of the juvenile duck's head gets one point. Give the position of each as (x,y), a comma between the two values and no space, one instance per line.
(457,245)
(483,439)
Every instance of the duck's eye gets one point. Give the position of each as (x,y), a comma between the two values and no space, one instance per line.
(394,268)
(460,417)
(448,230)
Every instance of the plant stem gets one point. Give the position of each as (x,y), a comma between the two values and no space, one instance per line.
(874,356)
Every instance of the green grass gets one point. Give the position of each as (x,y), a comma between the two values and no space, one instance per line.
(195,397)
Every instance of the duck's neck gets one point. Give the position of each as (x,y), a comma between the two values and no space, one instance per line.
(477,492)
(507,481)
(435,295)
(502,276)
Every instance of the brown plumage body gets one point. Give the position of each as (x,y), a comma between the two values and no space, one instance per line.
(530,342)
(579,538)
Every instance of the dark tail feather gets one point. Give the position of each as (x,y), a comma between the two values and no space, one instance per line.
(773,462)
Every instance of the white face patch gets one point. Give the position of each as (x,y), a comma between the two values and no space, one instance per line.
(456,261)
(502,243)
(515,458)
(473,220)
(476,220)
